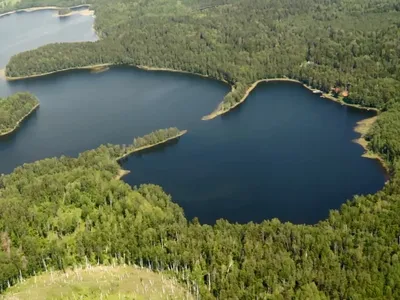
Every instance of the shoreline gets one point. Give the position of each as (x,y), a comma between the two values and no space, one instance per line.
(39,8)
(147,68)
(90,67)
(217,112)
(121,173)
(20,121)
(363,128)
(84,12)
(2,74)
(152,145)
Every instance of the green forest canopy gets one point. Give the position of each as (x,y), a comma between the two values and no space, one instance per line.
(15,108)
(63,212)
(59,212)
(353,45)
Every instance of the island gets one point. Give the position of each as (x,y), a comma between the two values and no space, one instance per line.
(15,109)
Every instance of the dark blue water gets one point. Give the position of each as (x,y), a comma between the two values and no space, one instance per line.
(285,153)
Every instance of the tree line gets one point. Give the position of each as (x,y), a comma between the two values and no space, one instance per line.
(61,212)
(349,46)
(14,109)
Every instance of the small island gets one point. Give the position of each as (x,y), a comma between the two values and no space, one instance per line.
(14,109)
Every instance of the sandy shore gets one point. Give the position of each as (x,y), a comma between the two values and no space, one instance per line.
(32,9)
(85,12)
(121,173)
(2,74)
(363,128)
(20,121)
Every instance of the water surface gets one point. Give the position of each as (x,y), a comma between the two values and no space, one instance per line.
(285,153)
(24,31)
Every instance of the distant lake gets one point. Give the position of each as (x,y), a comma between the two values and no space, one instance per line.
(285,153)
(28,30)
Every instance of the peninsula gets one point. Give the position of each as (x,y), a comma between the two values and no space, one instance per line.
(14,110)
(150,140)
(39,8)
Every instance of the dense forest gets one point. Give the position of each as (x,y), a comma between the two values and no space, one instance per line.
(58,213)
(350,45)
(61,212)
(14,109)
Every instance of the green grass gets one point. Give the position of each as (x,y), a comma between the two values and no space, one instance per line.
(101,282)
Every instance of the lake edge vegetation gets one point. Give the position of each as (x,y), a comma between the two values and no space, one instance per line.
(14,110)
(85,214)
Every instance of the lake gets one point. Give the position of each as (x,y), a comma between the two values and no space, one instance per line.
(285,153)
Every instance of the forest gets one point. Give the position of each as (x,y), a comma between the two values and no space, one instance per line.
(150,140)
(14,109)
(350,48)
(61,212)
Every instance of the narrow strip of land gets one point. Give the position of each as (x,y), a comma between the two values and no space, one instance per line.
(94,68)
(219,111)
(19,121)
(32,9)
(135,150)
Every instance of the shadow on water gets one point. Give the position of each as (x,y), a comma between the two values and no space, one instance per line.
(161,148)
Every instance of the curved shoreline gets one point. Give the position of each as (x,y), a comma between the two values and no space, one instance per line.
(90,67)
(362,128)
(182,132)
(104,67)
(84,12)
(20,121)
(39,8)
(218,112)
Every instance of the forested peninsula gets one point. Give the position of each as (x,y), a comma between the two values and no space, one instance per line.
(345,48)
(63,212)
(9,7)
(14,109)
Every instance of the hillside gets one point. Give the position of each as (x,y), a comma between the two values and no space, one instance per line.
(98,282)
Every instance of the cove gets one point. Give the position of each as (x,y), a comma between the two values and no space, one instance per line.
(285,153)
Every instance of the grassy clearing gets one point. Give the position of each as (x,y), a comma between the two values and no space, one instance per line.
(101,282)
